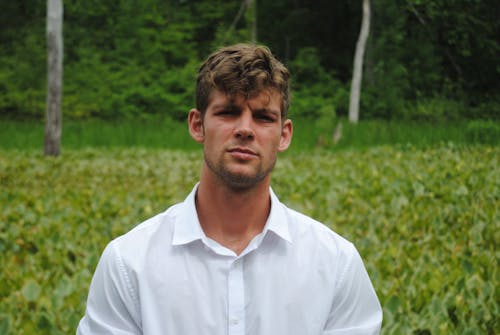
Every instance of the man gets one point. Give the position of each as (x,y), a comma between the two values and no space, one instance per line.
(232,259)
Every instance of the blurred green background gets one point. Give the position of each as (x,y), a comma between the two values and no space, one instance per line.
(433,62)
(415,184)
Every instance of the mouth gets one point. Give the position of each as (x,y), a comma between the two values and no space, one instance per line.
(242,150)
(241,153)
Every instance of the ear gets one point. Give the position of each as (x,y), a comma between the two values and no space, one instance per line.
(286,135)
(195,124)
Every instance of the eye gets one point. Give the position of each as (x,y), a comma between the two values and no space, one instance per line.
(226,112)
(265,117)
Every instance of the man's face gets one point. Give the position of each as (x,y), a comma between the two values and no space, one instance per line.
(241,137)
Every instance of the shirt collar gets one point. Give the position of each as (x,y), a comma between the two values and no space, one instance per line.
(187,226)
(277,222)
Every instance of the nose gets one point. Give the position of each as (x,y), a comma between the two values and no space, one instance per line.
(243,128)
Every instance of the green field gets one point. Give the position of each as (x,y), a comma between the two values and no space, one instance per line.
(425,220)
(309,134)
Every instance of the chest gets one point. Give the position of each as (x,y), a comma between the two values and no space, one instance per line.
(260,293)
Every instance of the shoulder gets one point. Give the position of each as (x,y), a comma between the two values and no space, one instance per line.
(311,231)
(324,247)
(157,230)
(307,233)
(323,250)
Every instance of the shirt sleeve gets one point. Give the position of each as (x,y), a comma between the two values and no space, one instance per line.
(355,309)
(112,305)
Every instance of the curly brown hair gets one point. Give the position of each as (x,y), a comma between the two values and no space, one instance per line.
(245,69)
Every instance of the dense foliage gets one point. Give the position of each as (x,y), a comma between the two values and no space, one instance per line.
(425,221)
(126,58)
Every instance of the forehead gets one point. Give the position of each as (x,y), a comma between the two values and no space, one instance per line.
(268,98)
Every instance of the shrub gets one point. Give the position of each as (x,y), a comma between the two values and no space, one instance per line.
(485,132)
(432,110)
(316,93)
(486,110)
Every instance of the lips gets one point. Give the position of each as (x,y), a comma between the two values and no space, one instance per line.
(242,153)
(242,150)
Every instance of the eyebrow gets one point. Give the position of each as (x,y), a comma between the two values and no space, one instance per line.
(267,110)
(233,106)
(224,105)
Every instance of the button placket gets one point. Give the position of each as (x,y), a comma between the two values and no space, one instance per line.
(236,298)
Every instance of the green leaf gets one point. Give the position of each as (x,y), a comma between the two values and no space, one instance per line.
(64,288)
(44,322)
(393,304)
(419,189)
(31,290)
(467,266)
(462,190)
(5,323)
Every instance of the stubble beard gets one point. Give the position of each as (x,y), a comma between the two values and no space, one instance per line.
(237,181)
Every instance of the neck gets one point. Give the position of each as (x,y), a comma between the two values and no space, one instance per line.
(232,217)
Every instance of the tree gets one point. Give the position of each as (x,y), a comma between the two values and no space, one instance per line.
(358,63)
(53,121)
(248,8)
(252,5)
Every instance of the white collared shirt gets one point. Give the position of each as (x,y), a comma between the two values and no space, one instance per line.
(166,277)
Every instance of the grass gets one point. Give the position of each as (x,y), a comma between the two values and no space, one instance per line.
(158,133)
(168,134)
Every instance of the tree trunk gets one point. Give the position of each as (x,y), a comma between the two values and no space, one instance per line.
(53,115)
(249,8)
(358,64)
(254,22)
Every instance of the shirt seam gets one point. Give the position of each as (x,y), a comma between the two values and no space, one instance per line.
(346,269)
(126,277)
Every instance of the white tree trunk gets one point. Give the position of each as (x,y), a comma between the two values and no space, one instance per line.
(358,64)
(250,7)
(53,115)
(254,22)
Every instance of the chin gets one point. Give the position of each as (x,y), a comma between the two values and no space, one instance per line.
(241,181)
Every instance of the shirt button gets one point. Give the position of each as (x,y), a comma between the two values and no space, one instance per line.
(234,321)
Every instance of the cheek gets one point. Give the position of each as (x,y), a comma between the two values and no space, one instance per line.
(215,139)
(271,141)
(218,131)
